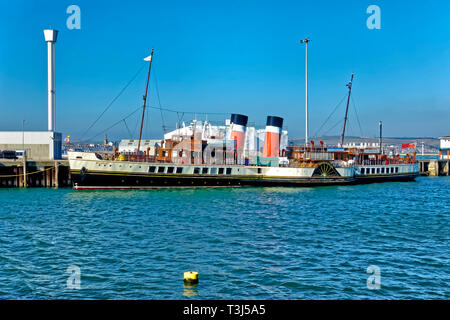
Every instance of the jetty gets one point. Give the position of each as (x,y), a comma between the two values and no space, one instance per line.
(20,173)
(434,167)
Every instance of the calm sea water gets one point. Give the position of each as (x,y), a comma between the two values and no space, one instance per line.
(246,243)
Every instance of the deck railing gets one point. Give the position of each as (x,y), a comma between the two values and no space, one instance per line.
(386,162)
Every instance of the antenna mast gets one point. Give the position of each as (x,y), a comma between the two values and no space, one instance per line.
(349,85)
(145,98)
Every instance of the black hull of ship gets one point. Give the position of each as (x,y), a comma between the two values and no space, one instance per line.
(385,178)
(92,181)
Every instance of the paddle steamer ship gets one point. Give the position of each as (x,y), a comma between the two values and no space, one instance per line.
(223,158)
(328,166)
(192,161)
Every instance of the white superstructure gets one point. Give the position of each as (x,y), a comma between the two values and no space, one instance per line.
(221,134)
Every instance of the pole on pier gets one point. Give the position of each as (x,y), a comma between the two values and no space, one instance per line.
(47,178)
(24,156)
(16,178)
(53,184)
(25,173)
(20,177)
(305,41)
(56,174)
(381,136)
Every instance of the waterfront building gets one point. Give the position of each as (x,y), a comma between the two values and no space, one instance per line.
(130,146)
(444,148)
(38,145)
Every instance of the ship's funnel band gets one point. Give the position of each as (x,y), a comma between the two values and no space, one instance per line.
(274,121)
(273,129)
(238,128)
(239,119)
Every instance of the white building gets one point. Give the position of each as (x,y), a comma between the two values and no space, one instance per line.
(444,150)
(39,145)
(130,146)
(361,145)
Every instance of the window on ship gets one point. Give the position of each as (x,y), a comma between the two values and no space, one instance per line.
(228,170)
(152,169)
(170,169)
(180,170)
(196,170)
(205,170)
(161,169)
(213,171)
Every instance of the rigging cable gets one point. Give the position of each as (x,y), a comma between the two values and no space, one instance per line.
(331,114)
(350,127)
(357,117)
(191,112)
(334,126)
(113,100)
(129,132)
(180,118)
(135,131)
(159,102)
(146,121)
(115,124)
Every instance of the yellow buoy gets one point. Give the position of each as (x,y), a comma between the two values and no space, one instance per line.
(191,277)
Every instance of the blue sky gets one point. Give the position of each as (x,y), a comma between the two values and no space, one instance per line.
(229,56)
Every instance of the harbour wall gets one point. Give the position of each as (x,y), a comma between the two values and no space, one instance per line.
(25,174)
(434,167)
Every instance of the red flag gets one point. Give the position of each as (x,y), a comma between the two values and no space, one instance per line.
(408,145)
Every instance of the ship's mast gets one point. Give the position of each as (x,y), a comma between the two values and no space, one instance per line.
(145,98)
(305,41)
(349,85)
